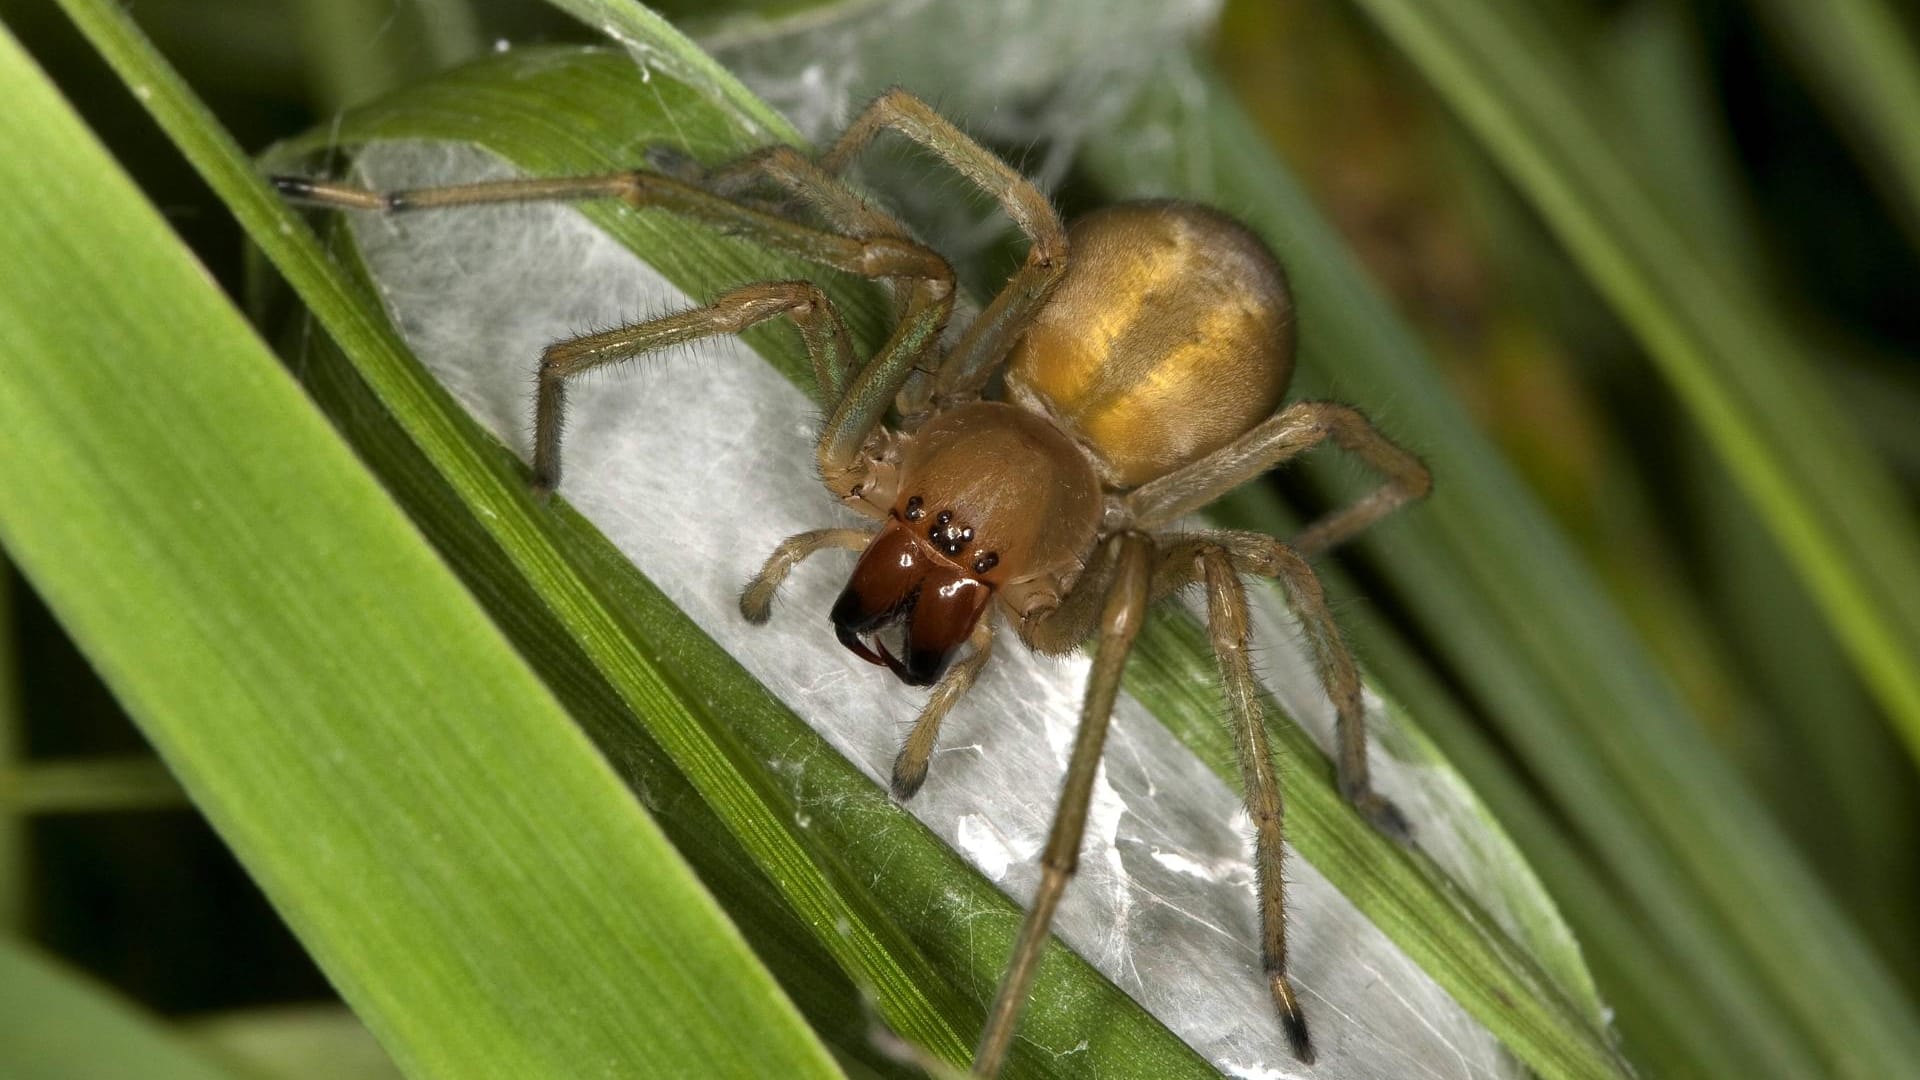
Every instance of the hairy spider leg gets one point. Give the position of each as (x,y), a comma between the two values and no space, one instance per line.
(806,185)
(1217,559)
(756,600)
(732,312)
(1266,556)
(910,766)
(796,174)
(1126,598)
(986,341)
(993,331)
(1288,433)
(858,401)
(897,110)
(1227,628)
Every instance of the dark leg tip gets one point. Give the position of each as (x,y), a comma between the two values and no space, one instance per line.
(1292,1020)
(1297,1037)
(1389,820)
(293,187)
(755,609)
(542,490)
(906,781)
(1380,813)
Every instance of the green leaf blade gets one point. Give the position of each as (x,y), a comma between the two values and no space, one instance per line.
(461,862)
(1733,361)
(55,1024)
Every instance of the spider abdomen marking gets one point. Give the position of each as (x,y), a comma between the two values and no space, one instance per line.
(1170,335)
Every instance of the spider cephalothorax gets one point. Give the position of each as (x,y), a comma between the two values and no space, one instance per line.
(1145,355)
(991,498)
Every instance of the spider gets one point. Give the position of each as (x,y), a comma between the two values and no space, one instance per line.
(1141,358)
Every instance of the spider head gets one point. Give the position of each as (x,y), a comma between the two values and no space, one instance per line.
(905,592)
(988,495)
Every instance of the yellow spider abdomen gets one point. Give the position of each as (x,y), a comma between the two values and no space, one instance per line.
(1170,335)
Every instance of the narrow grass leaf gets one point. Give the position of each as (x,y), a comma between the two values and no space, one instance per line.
(1736,365)
(1720,342)
(456,855)
(1860,57)
(56,1024)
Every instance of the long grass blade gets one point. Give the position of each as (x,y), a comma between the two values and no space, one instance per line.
(1860,55)
(56,1024)
(458,858)
(1719,341)
(1735,364)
